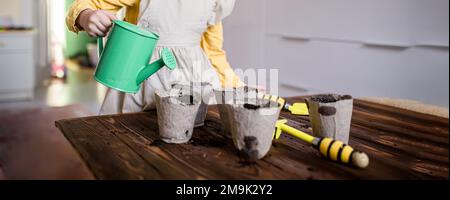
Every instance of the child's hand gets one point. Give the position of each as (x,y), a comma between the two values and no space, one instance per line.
(95,22)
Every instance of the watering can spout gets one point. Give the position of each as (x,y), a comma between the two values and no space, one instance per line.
(167,59)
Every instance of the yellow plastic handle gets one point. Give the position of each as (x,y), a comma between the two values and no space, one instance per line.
(339,152)
(297,133)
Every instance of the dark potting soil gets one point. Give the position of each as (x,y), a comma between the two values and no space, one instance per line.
(327,110)
(250,142)
(249,154)
(251,106)
(346,97)
(330,98)
(260,103)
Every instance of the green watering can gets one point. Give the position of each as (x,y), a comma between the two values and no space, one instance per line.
(123,63)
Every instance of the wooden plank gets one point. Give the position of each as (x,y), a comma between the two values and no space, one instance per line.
(409,141)
(398,160)
(209,153)
(378,168)
(428,120)
(401,145)
(166,167)
(109,157)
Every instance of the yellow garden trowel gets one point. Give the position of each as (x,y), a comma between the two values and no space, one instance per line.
(295,109)
(332,149)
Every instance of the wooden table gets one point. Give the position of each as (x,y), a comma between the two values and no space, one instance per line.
(401,145)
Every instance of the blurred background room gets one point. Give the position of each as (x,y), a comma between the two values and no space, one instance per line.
(42,63)
(394,49)
(392,52)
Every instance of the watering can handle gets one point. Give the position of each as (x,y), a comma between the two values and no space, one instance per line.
(100,46)
(167,59)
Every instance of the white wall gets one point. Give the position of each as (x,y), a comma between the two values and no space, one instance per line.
(10,9)
(43,55)
(388,48)
(19,11)
(31,14)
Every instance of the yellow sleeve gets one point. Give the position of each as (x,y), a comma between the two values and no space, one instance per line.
(212,44)
(110,5)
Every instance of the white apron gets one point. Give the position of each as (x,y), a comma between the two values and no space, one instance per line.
(180,24)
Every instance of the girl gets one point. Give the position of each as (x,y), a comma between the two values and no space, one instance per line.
(184,26)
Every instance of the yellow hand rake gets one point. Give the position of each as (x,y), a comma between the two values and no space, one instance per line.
(332,149)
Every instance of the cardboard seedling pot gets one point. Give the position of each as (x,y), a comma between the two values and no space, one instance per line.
(206,92)
(246,95)
(206,95)
(252,126)
(331,115)
(224,97)
(233,96)
(177,110)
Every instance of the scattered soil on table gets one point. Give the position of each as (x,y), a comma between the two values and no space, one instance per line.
(207,143)
(247,158)
(157,143)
